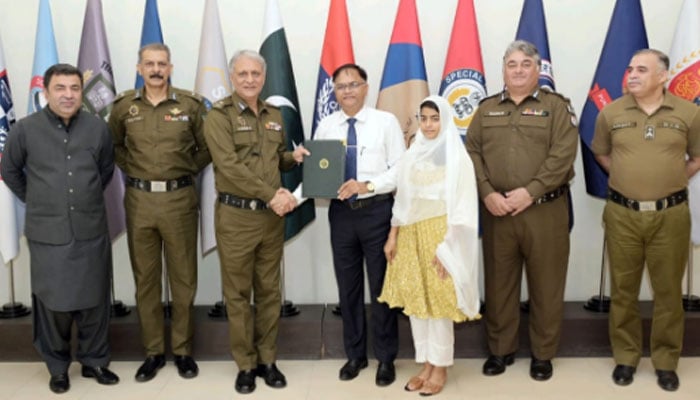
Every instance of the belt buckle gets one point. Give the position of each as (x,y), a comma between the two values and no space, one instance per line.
(253,205)
(159,186)
(647,206)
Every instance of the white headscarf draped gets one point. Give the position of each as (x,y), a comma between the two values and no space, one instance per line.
(458,252)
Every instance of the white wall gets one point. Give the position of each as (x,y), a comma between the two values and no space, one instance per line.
(576,28)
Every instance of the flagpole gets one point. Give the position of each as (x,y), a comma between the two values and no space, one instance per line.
(600,303)
(118,309)
(13,309)
(288,308)
(690,301)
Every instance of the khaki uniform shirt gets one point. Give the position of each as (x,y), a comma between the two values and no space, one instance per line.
(648,152)
(159,142)
(248,150)
(531,145)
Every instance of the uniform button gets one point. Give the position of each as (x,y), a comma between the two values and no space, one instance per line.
(70,190)
(72,208)
(65,140)
(68,156)
(70,173)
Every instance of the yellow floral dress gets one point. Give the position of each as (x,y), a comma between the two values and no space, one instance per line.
(411,279)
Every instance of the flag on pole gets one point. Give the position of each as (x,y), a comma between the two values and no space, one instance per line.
(337,51)
(45,55)
(463,83)
(212,83)
(150,32)
(404,81)
(626,35)
(280,89)
(533,28)
(684,71)
(98,93)
(9,228)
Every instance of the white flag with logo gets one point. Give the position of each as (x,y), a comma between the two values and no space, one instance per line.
(683,70)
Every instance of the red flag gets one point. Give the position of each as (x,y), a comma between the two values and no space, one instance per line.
(463,83)
(337,51)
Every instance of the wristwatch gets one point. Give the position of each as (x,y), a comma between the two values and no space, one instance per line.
(370,186)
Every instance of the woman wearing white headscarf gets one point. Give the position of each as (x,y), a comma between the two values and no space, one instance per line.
(433,245)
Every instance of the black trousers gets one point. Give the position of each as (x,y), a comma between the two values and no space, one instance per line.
(358,238)
(52,334)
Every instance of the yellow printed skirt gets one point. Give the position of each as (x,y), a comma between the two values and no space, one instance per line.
(411,280)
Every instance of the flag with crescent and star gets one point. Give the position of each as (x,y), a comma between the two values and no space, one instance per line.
(280,90)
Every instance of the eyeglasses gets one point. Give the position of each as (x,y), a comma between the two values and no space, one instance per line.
(349,86)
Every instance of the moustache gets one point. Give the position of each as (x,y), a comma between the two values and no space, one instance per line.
(156,76)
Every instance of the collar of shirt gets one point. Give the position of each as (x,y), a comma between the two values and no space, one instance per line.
(54,117)
(506,96)
(139,94)
(240,105)
(629,101)
(361,116)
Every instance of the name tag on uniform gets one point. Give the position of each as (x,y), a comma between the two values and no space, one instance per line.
(244,128)
(497,114)
(623,125)
(535,113)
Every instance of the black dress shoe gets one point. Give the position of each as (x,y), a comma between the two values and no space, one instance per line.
(59,383)
(245,381)
(273,377)
(150,367)
(623,375)
(540,370)
(186,367)
(103,375)
(352,368)
(386,374)
(496,365)
(667,380)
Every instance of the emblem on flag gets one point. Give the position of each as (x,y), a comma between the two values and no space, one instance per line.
(464,89)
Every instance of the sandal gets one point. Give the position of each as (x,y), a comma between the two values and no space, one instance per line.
(415,383)
(430,388)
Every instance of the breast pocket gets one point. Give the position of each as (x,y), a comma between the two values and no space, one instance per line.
(535,128)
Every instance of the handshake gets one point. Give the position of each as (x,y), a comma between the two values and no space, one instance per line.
(283,202)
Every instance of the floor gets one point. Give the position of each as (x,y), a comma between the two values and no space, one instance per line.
(574,378)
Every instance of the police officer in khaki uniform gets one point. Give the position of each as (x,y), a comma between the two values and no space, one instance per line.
(246,138)
(159,144)
(649,142)
(523,144)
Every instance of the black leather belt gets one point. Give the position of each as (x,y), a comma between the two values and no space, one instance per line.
(653,205)
(553,195)
(159,186)
(366,202)
(241,202)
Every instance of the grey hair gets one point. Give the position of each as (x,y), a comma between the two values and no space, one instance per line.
(252,54)
(154,47)
(526,47)
(660,55)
